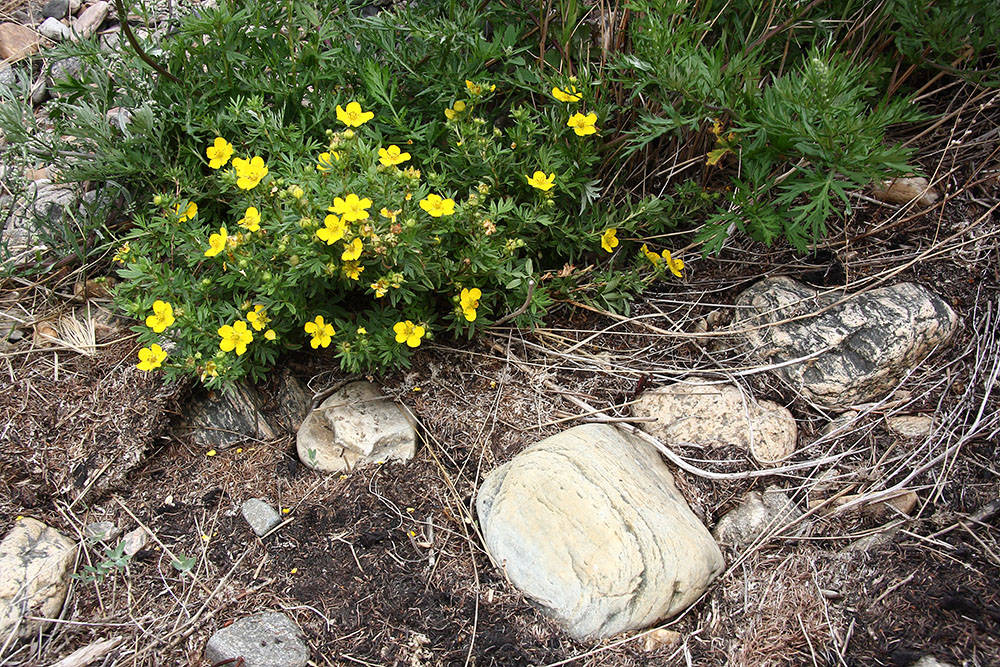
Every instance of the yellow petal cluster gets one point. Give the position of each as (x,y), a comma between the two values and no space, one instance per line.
(566,94)
(583,125)
(408,332)
(353,116)
(322,332)
(249,172)
(540,181)
(436,206)
(609,239)
(250,220)
(333,229)
(219,153)
(392,156)
(235,336)
(351,208)
(162,317)
(469,301)
(151,357)
(217,243)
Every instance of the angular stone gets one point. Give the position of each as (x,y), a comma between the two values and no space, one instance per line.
(588,523)
(356,425)
(857,350)
(260,515)
(911,426)
(269,639)
(104,531)
(90,20)
(905,190)
(135,541)
(223,418)
(36,562)
(17,42)
(660,638)
(65,69)
(54,29)
(704,413)
(757,514)
(55,9)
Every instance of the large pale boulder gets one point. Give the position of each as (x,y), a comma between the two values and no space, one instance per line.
(35,564)
(588,524)
(701,412)
(857,350)
(356,425)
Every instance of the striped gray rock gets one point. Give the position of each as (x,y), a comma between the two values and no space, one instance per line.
(588,524)
(863,347)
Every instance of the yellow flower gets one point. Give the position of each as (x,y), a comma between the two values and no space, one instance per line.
(217,243)
(408,332)
(211,452)
(270,335)
(122,253)
(566,94)
(352,250)
(189,212)
(352,269)
(235,337)
(540,181)
(258,318)
(209,370)
(324,161)
(352,208)
(353,116)
(162,317)
(297,192)
(249,172)
(650,255)
(320,331)
(609,239)
(381,286)
(583,125)
(436,206)
(333,230)
(391,215)
(478,88)
(392,156)
(151,357)
(675,265)
(362,331)
(452,113)
(219,153)
(469,301)
(250,220)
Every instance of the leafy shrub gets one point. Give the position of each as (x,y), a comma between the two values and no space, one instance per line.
(274,207)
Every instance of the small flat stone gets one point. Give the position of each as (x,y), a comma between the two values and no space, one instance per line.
(54,29)
(55,9)
(905,190)
(90,20)
(911,426)
(757,514)
(260,515)
(269,639)
(17,42)
(701,412)
(135,541)
(104,531)
(660,638)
